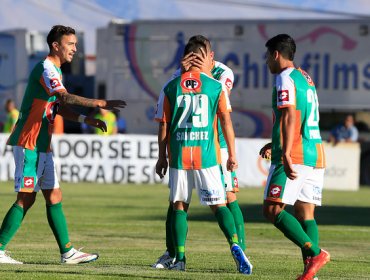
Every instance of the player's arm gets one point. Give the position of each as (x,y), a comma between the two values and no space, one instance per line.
(162,163)
(288,126)
(72,99)
(70,115)
(228,130)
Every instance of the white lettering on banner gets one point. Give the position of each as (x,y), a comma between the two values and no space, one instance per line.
(132,158)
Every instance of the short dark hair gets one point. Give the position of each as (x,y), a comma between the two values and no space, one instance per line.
(194,46)
(56,33)
(282,43)
(200,38)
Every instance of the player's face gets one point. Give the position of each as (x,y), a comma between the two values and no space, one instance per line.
(67,48)
(271,62)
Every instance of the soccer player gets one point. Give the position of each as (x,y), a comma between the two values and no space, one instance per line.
(45,97)
(224,74)
(297,169)
(187,110)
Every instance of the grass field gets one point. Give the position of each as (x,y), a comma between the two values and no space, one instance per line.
(125,224)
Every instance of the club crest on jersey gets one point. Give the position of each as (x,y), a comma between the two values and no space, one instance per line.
(283,95)
(308,78)
(29,182)
(191,84)
(51,111)
(54,83)
(275,191)
(229,83)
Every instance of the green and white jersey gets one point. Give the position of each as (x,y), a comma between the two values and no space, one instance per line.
(190,103)
(39,106)
(225,75)
(295,88)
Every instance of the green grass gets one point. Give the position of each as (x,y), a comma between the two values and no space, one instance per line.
(125,224)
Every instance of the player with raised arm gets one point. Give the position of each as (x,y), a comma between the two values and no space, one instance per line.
(297,168)
(224,74)
(45,97)
(187,111)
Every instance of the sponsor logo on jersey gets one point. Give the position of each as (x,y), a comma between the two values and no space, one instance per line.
(29,182)
(236,183)
(229,84)
(191,84)
(275,191)
(52,110)
(54,83)
(283,95)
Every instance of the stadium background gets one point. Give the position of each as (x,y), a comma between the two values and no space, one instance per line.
(94,74)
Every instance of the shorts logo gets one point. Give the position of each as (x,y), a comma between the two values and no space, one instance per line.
(283,95)
(191,84)
(236,184)
(29,182)
(229,84)
(54,83)
(275,191)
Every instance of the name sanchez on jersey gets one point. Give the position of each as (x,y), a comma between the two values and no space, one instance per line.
(193,135)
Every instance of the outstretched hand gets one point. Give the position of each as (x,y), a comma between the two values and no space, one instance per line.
(112,105)
(96,123)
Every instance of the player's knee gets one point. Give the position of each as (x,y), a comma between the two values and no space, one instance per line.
(270,211)
(26,200)
(231,197)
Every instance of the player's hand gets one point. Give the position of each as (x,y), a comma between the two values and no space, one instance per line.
(265,152)
(288,167)
(200,60)
(186,62)
(96,123)
(231,164)
(161,167)
(111,105)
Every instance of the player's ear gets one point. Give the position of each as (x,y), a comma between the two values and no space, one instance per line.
(275,55)
(55,45)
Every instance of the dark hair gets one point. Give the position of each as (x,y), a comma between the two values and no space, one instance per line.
(200,38)
(194,46)
(56,33)
(282,43)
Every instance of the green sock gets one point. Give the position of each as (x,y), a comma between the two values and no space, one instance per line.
(239,222)
(311,229)
(179,230)
(58,224)
(293,230)
(10,225)
(226,222)
(169,236)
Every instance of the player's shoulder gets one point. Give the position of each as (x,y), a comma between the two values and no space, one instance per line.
(285,76)
(223,69)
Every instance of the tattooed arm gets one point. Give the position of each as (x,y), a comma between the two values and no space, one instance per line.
(72,99)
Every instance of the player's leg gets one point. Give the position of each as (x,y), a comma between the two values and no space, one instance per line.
(211,192)
(181,183)
(25,184)
(231,185)
(304,208)
(280,191)
(56,218)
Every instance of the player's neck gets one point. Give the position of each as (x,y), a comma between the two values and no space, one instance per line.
(55,59)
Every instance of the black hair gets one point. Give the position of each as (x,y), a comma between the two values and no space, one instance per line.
(200,38)
(282,43)
(195,46)
(56,33)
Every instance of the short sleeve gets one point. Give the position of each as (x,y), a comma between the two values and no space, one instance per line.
(51,79)
(285,88)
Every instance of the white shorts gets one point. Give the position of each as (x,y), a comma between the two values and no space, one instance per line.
(208,182)
(307,187)
(34,171)
(231,181)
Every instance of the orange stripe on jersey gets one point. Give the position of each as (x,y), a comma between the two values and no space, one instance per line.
(320,162)
(297,149)
(42,82)
(216,142)
(190,82)
(31,128)
(222,104)
(192,157)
